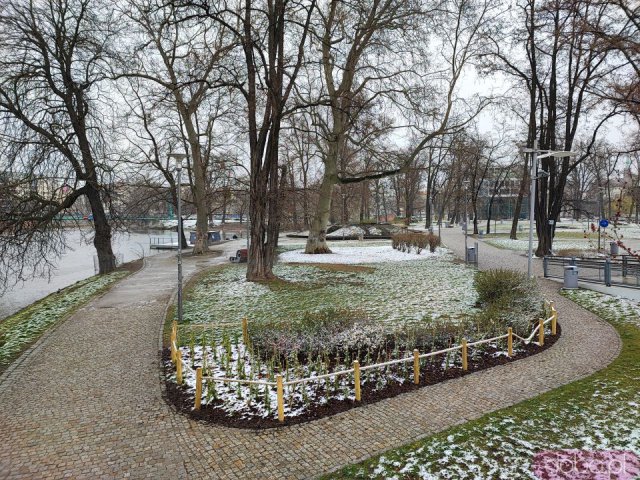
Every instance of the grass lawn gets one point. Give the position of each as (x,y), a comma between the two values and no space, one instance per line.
(393,293)
(599,412)
(522,244)
(20,330)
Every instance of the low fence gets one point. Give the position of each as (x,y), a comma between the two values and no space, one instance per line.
(621,270)
(180,365)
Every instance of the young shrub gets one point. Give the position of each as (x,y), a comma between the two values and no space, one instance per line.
(434,242)
(500,285)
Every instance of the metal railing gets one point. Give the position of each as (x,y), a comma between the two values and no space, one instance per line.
(621,270)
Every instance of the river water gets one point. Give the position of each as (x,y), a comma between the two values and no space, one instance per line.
(75,264)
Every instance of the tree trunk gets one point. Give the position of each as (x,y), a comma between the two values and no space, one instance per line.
(489,215)
(102,238)
(513,235)
(317,240)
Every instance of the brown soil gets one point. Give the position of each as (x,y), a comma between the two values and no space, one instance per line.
(429,375)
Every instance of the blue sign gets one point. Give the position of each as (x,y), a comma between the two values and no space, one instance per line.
(604,223)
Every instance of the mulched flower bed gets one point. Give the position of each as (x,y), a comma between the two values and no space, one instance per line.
(182,399)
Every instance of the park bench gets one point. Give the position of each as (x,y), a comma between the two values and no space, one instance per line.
(241,256)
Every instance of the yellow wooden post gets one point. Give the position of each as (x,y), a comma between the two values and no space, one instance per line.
(465,365)
(541,332)
(280,388)
(174,341)
(554,321)
(416,366)
(510,342)
(179,369)
(356,375)
(198,400)
(245,331)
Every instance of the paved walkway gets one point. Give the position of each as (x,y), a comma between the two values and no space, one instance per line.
(87,403)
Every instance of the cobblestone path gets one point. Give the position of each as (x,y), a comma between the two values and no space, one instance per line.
(87,401)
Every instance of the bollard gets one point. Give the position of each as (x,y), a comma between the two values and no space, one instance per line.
(198,399)
(280,390)
(245,331)
(465,365)
(416,366)
(356,375)
(607,272)
(554,321)
(510,342)
(541,332)
(179,369)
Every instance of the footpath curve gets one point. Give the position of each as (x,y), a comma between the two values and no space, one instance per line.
(87,402)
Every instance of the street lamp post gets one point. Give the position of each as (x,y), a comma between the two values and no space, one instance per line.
(179,157)
(535,156)
(600,216)
(532,194)
(466,219)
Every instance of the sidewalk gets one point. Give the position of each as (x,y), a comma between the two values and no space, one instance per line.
(88,402)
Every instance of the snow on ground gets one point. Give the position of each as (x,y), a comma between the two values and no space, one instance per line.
(598,413)
(358,255)
(523,245)
(231,359)
(350,231)
(391,292)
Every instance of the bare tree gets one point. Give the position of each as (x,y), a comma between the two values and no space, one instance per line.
(266,73)
(181,54)
(51,129)
(360,48)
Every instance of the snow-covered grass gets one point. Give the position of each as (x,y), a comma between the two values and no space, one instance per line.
(429,287)
(522,245)
(20,330)
(599,412)
(358,255)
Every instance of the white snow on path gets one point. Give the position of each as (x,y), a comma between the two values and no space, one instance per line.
(357,255)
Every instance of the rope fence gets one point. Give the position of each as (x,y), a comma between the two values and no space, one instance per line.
(464,346)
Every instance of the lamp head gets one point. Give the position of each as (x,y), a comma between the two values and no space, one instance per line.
(179,158)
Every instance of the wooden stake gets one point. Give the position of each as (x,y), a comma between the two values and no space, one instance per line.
(416,366)
(554,321)
(280,388)
(541,332)
(198,400)
(356,375)
(179,370)
(510,342)
(465,365)
(245,331)
(174,341)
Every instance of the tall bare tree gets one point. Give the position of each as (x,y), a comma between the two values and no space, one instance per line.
(182,55)
(52,116)
(362,44)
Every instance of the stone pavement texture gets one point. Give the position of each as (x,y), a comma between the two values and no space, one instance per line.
(87,402)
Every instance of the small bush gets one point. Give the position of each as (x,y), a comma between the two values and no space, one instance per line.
(434,241)
(507,295)
(407,241)
(495,286)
